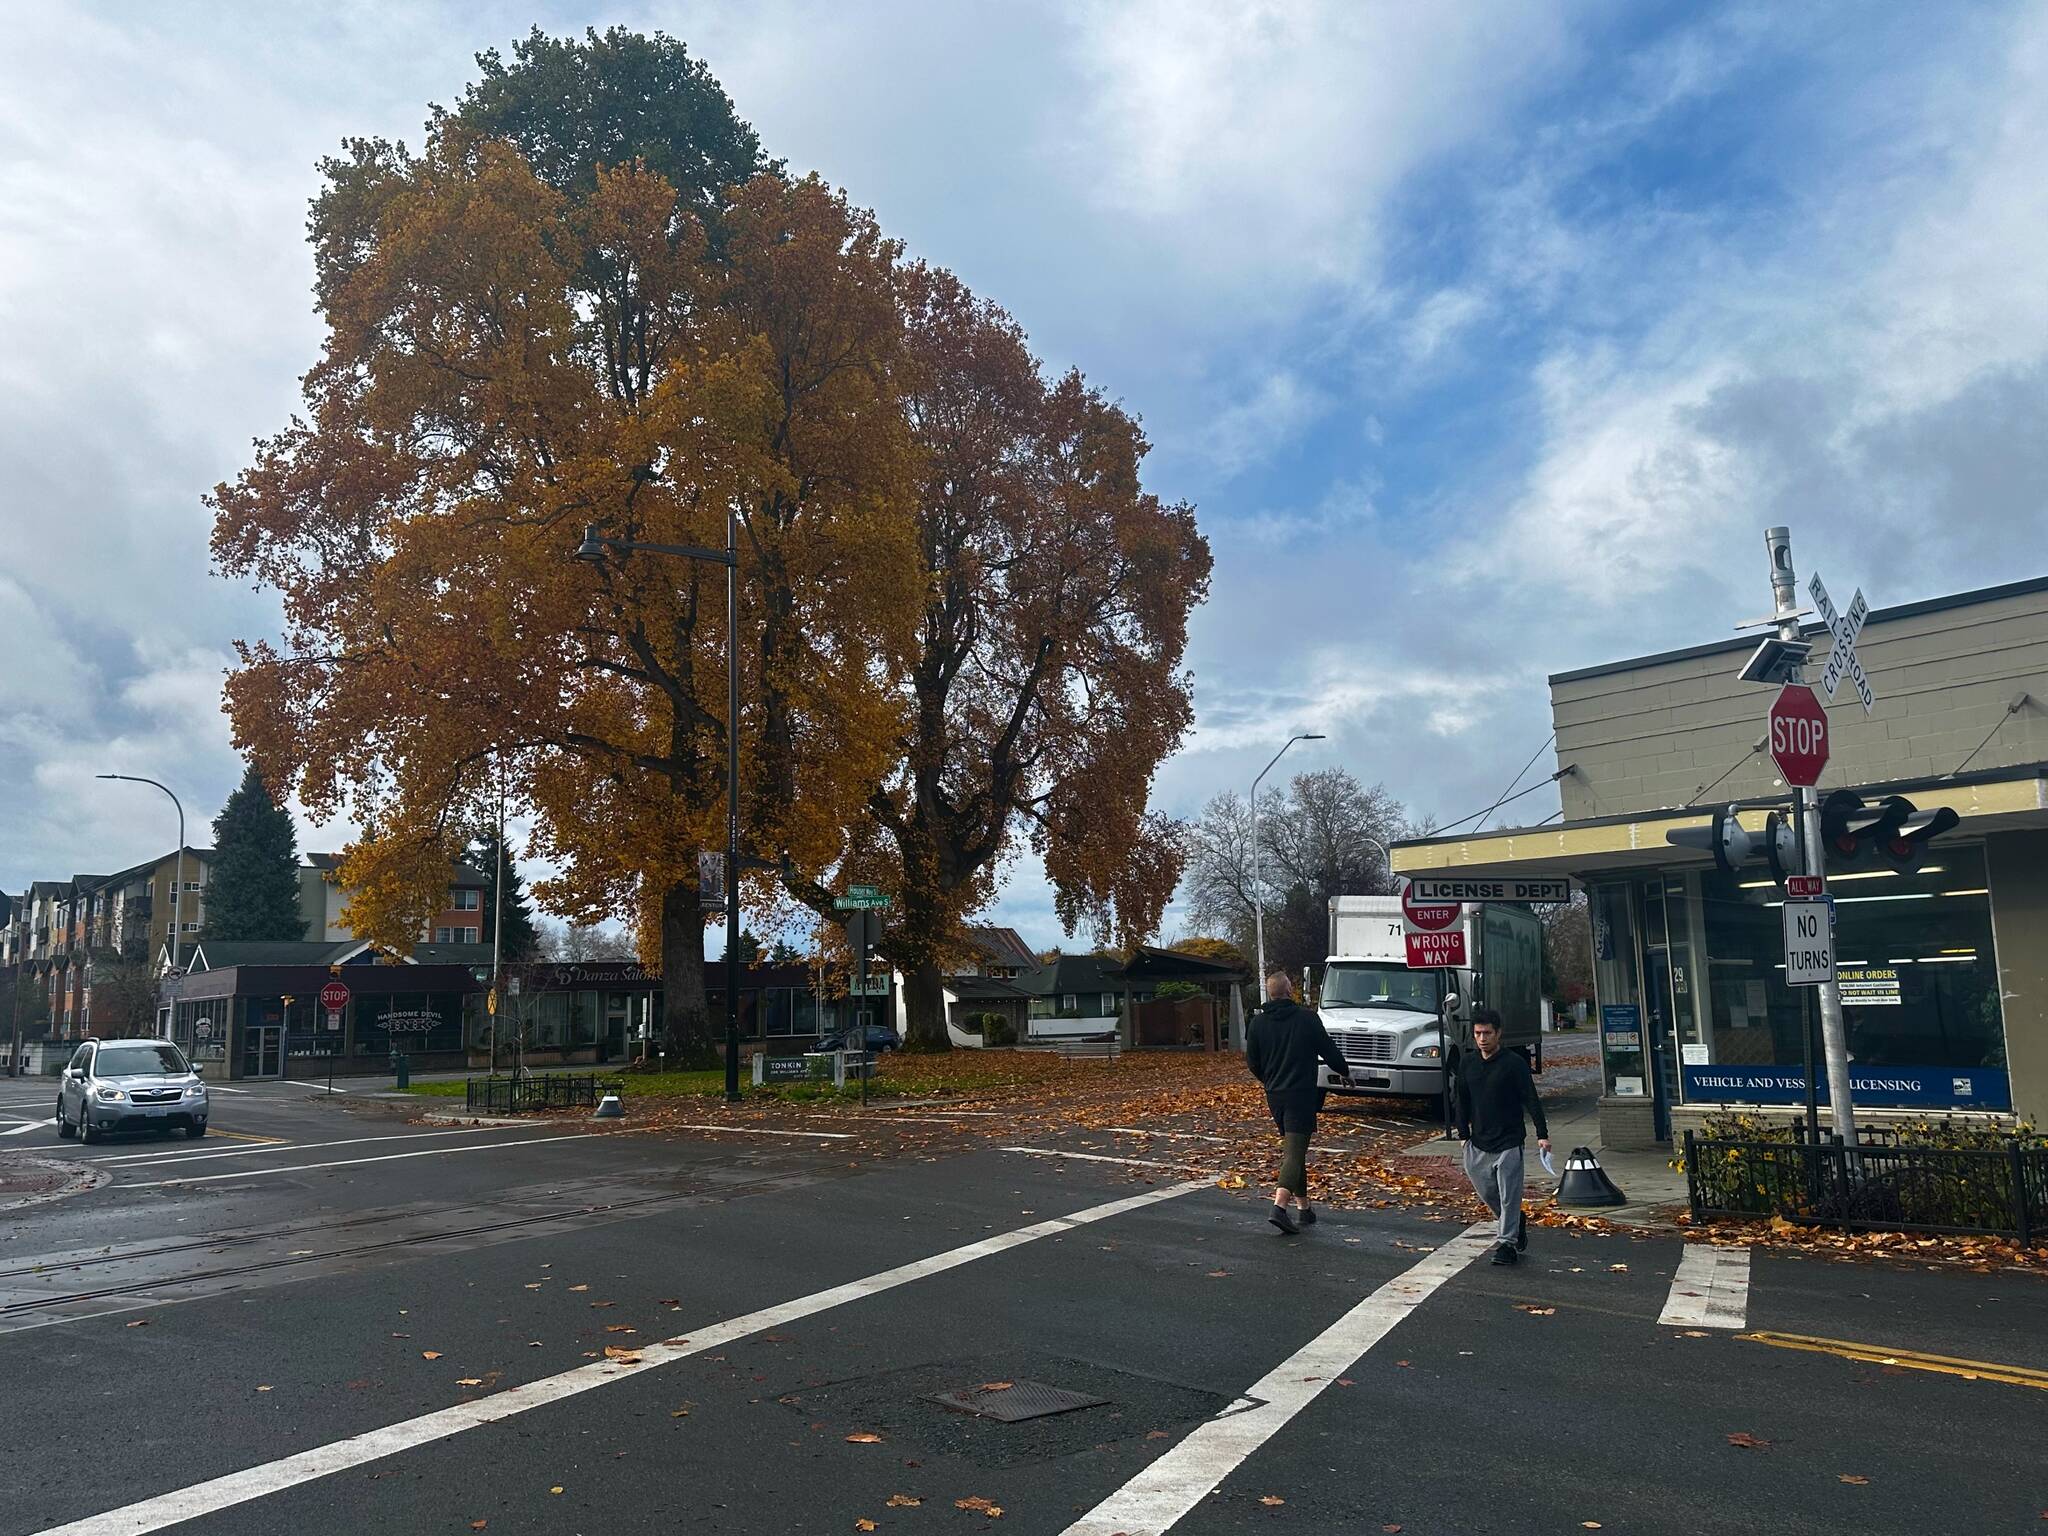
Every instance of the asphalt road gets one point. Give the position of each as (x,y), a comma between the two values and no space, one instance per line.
(323,1319)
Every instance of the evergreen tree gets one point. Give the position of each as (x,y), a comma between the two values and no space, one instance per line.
(252,889)
(522,938)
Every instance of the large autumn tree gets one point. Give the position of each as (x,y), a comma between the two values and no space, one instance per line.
(509,357)
(1047,685)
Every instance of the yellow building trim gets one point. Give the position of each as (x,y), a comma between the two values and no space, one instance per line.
(1591,844)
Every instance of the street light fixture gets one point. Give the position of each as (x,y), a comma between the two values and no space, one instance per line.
(1258,900)
(592,550)
(178,879)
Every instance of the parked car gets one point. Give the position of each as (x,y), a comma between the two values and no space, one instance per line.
(129,1085)
(878,1037)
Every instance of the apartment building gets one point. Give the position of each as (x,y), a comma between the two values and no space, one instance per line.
(323,898)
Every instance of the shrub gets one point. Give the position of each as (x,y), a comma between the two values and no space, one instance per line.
(1174,991)
(996,1029)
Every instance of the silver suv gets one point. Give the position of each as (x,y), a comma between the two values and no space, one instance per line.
(129,1085)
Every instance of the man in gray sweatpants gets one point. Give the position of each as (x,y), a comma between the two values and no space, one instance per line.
(1492,1090)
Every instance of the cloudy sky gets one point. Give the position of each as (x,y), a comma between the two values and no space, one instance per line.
(1485,337)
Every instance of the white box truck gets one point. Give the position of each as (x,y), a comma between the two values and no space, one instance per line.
(1390,1021)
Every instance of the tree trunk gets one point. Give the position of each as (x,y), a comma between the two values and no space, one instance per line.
(924,996)
(685,1020)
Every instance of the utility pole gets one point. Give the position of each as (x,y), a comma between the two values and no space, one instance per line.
(1258,898)
(1834,1034)
(497,921)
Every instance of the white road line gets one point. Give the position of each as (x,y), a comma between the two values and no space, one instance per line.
(181,1155)
(1137,1130)
(1094,1157)
(33,1125)
(755,1130)
(168,1509)
(352,1162)
(1154,1500)
(1710,1290)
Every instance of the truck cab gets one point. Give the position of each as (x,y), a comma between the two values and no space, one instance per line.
(1388,1022)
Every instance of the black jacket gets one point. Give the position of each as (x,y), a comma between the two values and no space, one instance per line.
(1489,1099)
(1285,1043)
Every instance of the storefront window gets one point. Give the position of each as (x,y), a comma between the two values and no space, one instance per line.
(1919,987)
(1616,993)
(414,1022)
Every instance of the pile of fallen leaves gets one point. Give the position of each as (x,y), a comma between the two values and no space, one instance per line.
(1981,1254)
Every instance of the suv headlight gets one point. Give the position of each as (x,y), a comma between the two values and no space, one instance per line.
(195,1090)
(110,1095)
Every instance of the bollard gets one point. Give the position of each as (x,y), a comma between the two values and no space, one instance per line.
(609,1108)
(1585,1182)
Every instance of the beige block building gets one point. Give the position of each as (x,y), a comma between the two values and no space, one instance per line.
(1944,965)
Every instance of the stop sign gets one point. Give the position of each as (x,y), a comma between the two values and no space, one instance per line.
(1799,735)
(334,996)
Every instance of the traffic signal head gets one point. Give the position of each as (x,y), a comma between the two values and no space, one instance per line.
(1894,826)
(1723,837)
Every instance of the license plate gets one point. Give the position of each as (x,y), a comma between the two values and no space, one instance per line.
(155,1109)
(1376,1082)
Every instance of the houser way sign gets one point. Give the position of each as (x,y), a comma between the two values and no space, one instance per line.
(1460,888)
(1435,931)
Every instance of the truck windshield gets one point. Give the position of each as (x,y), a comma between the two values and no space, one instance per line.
(1380,986)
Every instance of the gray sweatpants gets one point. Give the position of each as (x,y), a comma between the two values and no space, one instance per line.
(1497,1176)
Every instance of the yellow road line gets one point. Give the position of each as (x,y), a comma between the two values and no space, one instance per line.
(265,1141)
(1907,1359)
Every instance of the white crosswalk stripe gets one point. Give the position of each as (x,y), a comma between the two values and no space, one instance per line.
(23,1130)
(1710,1290)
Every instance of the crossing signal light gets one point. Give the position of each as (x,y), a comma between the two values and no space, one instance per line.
(1894,826)
(1733,846)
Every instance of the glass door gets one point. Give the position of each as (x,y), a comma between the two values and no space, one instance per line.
(263,1050)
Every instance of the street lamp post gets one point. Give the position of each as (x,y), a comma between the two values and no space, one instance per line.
(178,878)
(592,549)
(1258,899)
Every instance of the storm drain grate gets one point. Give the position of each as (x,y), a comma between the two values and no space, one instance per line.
(1015,1401)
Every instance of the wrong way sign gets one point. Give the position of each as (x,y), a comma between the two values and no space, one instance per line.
(1434,930)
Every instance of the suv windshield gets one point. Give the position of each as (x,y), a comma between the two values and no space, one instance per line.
(139,1060)
(1380,986)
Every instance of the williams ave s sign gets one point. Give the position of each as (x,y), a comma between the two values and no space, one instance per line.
(1462,888)
(1809,944)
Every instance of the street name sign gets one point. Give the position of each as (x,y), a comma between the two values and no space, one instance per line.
(1461,888)
(1809,944)
(1798,735)
(1434,931)
(1845,627)
(859,898)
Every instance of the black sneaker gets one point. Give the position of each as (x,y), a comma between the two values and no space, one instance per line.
(1522,1241)
(1308,1216)
(1283,1221)
(1505,1254)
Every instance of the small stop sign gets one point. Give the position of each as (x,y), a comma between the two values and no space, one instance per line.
(334,996)
(1799,735)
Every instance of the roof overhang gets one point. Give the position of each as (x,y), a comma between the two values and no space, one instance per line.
(1610,844)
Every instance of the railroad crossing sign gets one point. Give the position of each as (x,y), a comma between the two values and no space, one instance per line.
(1434,930)
(1798,735)
(334,996)
(1809,943)
(1842,659)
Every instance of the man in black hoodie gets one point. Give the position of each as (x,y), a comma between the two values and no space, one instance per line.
(1492,1089)
(1286,1043)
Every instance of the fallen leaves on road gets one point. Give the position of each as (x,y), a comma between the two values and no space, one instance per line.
(263,1389)
(1535,1311)
(430,1354)
(469,1381)
(1591,1525)
(623,1356)
(477,1525)
(1617,1269)
(1218,1274)
(619,1328)
(1694,1333)
(863,1437)
(903,1501)
(1390,1529)
(993,1511)
(579,1287)
(604,1303)
(995,1386)
(1231,1181)
(1157,1434)
(534,1285)
(863,1525)
(556,1489)
(140,1322)
(1747,1441)
(1853,1479)
(1271,1500)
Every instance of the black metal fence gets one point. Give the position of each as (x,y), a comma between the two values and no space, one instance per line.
(554,1090)
(1997,1191)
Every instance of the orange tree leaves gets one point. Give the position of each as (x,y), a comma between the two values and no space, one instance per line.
(506,363)
(1045,688)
